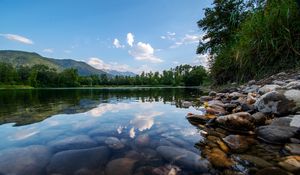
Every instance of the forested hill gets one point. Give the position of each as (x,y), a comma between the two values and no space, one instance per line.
(21,58)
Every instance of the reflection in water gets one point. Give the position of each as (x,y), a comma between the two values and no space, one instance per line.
(33,105)
(98,132)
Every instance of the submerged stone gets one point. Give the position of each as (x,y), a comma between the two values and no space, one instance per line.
(73,142)
(238,143)
(68,162)
(29,160)
(122,166)
(184,158)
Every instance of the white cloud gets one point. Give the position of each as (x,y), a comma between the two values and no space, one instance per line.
(187,39)
(201,60)
(144,52)
(169,36)
(117,43)
(100,64)
(17,38)
(48,50)
(175,62)
(130,39)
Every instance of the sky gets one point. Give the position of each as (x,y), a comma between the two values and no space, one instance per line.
(124,35)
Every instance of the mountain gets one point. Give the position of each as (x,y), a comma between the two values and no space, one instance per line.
(119,73)
(21,58)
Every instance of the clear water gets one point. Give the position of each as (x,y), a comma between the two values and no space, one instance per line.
(140,118)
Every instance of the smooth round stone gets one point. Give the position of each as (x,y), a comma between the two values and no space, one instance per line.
(238,143)
(74,142)
(241,121)
(276,134)
(68,162)
(184,158)
(291,163)
(142,140)
(29,160)
(122,166)
(114,143)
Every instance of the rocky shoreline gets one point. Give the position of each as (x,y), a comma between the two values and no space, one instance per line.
(254,128)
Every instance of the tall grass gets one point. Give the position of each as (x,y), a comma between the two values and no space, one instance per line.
(267,42)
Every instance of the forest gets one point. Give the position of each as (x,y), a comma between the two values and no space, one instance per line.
(43,76)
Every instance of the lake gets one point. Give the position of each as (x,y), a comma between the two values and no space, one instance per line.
(99,131)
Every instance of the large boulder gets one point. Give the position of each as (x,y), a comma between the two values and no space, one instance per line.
(73,142)
(276,134)
(68,162)
(275,103)
(241,122)
(29,160)
(184,158)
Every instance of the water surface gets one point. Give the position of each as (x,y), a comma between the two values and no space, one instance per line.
(127,124)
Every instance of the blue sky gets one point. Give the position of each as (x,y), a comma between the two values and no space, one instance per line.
(126,35)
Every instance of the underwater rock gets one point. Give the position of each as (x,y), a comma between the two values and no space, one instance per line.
(68,162)
(184,158)
(121,166)
(29,160)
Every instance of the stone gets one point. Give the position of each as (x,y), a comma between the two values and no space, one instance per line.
(276,134)
(68,162)
(215,109)
(282,121)
(235,95)
(275,103)
(73,142)
(166,170)
(293,85)
(251,89)
(142,140)
(251,99)
(238,143)
(186,104)
(205,98)
(259,118)
(114,143)
(295,121)
(293,148)
(212,93)
(184,158)
(251,82)
(294,96)
(268,88)
(291,163)
(280,83)
(272,171)
(198,119)
(29,160)
(241,121)
(259,162)
(218,158)
(121,166)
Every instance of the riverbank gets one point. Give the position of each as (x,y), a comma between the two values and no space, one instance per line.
(255,125)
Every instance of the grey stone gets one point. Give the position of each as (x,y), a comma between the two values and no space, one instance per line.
(275,103)
(73,142)
(29,160)
(268,88)
(68,162)
(184,158)
(276,134)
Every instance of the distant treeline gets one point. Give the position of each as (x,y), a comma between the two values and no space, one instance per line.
(43,76)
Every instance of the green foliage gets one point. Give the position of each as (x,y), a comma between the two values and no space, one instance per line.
(265,40)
